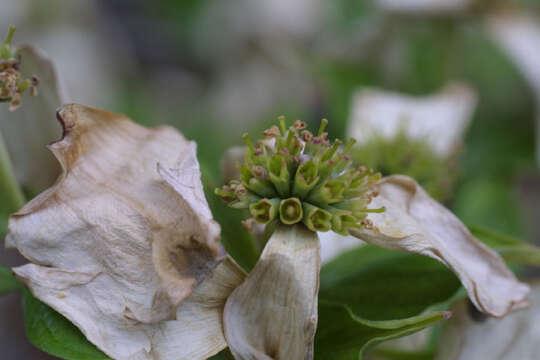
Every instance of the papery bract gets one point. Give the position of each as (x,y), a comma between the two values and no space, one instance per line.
(440,118)
(416,223)
(123,238)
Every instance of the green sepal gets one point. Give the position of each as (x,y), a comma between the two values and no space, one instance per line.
(290,211)
(315,218)
(279,175)
(306,178)
(329,191)
(265,210)
(342,221)
(263,188)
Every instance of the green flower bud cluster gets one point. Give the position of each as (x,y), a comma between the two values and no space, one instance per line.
(296,176)
(413,157)
(12,84)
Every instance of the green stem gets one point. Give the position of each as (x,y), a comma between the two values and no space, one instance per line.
(9,36)
(538,135)
(10,192)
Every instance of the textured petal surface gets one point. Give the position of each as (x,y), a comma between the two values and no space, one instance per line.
(517,336)
(128,241)
(273,314)
(416,223)
(441,118)
(28,130)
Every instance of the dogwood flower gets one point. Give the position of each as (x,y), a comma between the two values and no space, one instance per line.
(303,184)
(124,245)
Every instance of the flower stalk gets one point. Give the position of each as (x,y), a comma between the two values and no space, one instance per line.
(12,195)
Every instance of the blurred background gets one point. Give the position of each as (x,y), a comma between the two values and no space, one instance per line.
(215,69)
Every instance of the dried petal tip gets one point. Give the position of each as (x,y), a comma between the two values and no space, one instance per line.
(313,178)
(416,223)
(125,233)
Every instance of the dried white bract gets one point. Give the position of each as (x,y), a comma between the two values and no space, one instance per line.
(416,223)
(273,314)
(441,118)
(126,241)
(517,336)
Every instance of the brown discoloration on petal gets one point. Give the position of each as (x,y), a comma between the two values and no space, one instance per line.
(273,314)
(414,222)
(147,230)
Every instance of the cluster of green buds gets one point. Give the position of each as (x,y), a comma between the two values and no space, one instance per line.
(296,176)
(402,154)
(12,84)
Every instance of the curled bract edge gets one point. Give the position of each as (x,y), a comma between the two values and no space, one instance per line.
(123,241)
(416,223)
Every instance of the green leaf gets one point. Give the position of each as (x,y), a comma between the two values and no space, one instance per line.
(223,355)
(382,286)
(510,248)
(8,282)
(237,241)
(3,225)
(345,336)
(379,284)
(54,334)
(488,203)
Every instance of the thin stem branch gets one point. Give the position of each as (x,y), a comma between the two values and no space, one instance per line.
(538,135)
(11,195)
